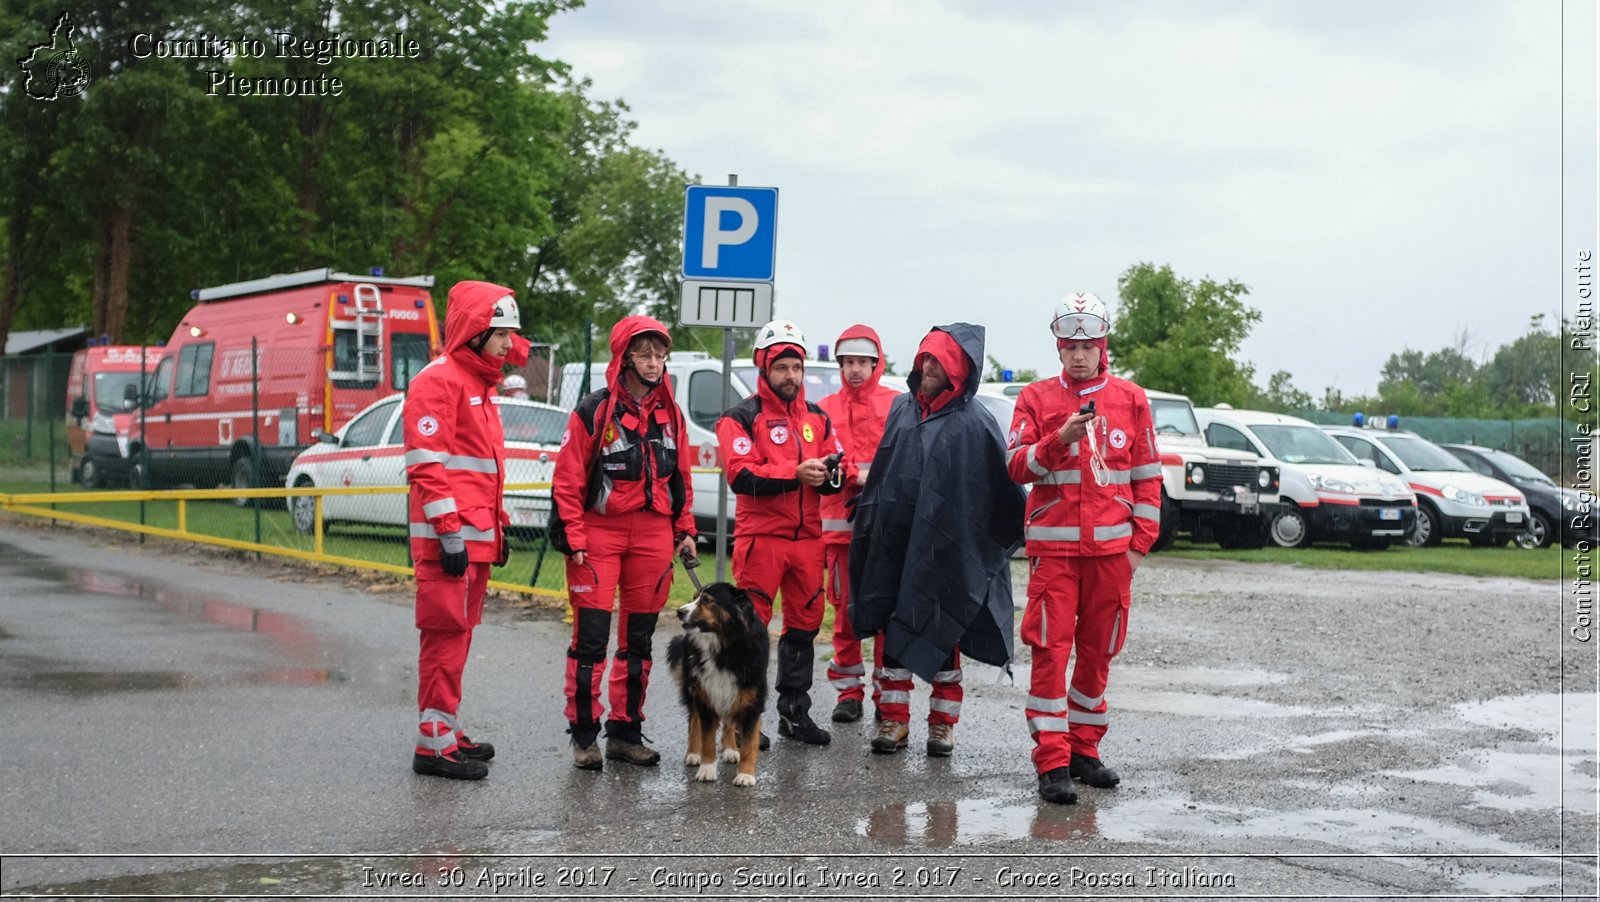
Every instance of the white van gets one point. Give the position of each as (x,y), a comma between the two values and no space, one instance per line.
(697,385)
(1327,494)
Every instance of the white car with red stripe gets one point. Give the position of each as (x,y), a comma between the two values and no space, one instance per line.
(1453,501)
(1327,494)
(370,451)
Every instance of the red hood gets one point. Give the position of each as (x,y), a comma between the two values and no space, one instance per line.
(867,387)
(943,347)
(622,334)
(470,307)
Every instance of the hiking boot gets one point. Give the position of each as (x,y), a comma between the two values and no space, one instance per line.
(452,766)
(800,727)
(631,752)
(891,737)
(477,751)
(586,757)
(1089,770)
(1056,786)
(847,711)
(941,739)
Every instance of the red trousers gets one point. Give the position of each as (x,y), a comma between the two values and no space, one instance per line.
(1082,602)
(629,557)
(847,671)
(448,607)
(892,690)
(765,566)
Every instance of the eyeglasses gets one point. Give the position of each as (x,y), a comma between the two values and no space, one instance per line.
(1080,326)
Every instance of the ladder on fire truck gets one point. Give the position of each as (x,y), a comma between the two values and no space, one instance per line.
(369,333)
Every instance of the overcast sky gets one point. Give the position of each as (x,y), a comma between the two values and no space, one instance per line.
(1382,175)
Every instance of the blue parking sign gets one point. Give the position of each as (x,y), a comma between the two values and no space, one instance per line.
(730,232)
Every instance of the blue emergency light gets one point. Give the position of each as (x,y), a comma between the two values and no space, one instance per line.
(1394,421)
(822,352)
(1007,375)
(376,272)
(1358,420)
(420,303)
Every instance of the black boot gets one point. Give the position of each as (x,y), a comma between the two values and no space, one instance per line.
(1056,786)
(800,726)
(1089,770)
(477,751)
(452,766)
(848,710)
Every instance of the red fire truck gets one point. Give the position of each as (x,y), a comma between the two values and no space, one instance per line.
(257,369)
(102,415)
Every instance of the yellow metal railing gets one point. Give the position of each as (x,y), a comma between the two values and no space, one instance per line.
(31,504)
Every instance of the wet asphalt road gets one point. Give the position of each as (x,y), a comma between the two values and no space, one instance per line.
(240,729)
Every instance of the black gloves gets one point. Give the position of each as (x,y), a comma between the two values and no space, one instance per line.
(505,549)
(452,554)
(850,509)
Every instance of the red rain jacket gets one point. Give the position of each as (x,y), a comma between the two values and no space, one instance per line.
(858,415)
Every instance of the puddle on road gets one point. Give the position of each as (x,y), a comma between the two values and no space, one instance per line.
(290,636)
(85,683)
(1569,718)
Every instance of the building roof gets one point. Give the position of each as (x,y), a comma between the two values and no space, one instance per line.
(40,339)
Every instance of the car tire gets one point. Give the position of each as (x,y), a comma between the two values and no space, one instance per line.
(303,509)
(243,477)
(1169,524)
(139,475)
(89,474)
(1428,529)
(1289,528)
(1541,531)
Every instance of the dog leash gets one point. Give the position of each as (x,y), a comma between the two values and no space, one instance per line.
(689,563)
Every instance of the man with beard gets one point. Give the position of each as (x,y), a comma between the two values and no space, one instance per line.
(934,529)
(773,445)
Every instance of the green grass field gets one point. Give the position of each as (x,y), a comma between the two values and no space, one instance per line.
(1450,556)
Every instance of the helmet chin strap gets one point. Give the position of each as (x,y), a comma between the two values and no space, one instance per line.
(650,385)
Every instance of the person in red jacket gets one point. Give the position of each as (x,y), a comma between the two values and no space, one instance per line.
(623,506)
(773,444)
(1085,442)
(857,410)
(455,463)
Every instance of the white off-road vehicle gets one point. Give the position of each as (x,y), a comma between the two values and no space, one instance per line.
(1211,494)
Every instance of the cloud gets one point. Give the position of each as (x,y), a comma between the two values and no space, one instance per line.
(1380,175)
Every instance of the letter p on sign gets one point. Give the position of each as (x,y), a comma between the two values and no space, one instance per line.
(730,233)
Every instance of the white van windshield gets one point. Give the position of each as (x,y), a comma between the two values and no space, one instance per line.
(1302,445)
(1173,417)
(111,388)
(1421,454)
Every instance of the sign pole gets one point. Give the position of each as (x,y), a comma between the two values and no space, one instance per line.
(727,402)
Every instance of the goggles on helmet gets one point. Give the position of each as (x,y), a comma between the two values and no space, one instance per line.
(1078,325)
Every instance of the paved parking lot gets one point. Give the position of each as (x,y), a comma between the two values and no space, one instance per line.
(185,722)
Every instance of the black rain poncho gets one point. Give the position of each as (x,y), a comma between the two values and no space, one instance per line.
(934,530)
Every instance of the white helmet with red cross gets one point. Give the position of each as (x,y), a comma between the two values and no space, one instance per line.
(1080,316)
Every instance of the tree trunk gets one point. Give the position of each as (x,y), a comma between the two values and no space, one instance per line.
(102,270)
(119,267)
(11,284)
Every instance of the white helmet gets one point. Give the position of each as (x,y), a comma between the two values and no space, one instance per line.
(780,332)
(514,382)
(506,315)
(1080,316)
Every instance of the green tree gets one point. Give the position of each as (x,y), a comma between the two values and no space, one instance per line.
(1524,377)
(1179,335)
(1280,395)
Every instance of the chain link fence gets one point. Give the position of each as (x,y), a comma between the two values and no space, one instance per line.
(124,421)
(1540,442)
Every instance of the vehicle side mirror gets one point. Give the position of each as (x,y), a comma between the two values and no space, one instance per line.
(130,397)
(80,407)
(326,438)
(1365,462)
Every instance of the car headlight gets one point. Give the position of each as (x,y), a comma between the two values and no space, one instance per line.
(1571,503)
(1197,474)
(103,424)
(1462,496)
(1264,478)
(1332,485)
